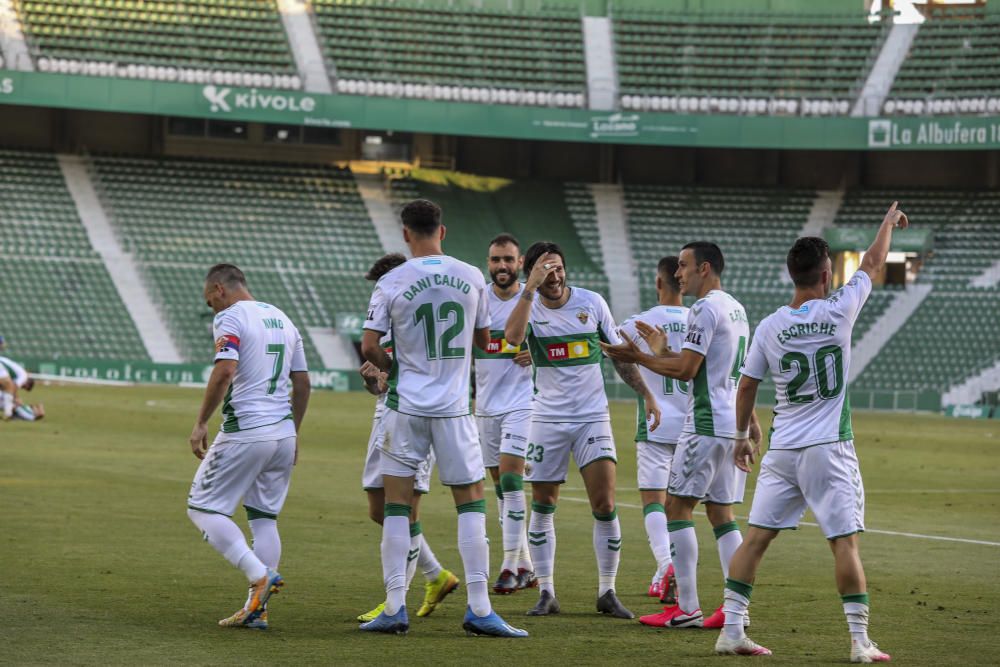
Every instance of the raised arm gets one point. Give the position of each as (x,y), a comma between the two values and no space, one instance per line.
(517,323)
(874,258)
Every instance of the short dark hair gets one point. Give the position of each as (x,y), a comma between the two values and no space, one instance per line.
(384,265)
(422,217)
(536,250)
(226,274)
(667,269)
(706,251)
(805,260)
(504,239)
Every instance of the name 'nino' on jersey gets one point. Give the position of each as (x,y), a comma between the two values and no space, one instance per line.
(718,330)
(268,348)
(565,349)
(808,352)
(671,395)
(431,306)
(501,385)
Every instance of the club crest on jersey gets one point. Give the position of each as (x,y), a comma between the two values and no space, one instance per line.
(572,350)
(227,343)
(583,316)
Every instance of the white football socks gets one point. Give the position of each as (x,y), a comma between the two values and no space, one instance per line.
(542,544)
(736,601)
(856,611)
(413,555)
(266,541)
(608,549)
(685,546)
(659,538)
(395,547)
(7,401)
(427,561)
(728,539)
(513,521)
(226,537)
(475,551)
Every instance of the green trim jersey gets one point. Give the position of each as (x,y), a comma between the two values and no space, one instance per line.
(14,370)
(565,349)
(808,353)
(268,348)
(671,395)
(386,343)
(431,306)
(717,330)
(501,385)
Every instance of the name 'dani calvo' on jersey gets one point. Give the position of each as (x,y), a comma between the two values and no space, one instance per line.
(438,279)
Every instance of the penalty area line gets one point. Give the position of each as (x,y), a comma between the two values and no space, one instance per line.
(874,531)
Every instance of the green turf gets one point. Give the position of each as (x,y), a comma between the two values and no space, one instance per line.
(102,566)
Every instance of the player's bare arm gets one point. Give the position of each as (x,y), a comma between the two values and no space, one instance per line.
(523,358)
(481,338)
(746,450)
(373,377)
(517,324)
(629,374)
(656,339)
(874,258)
(301,390)
(372,350)
(682,367)
(218,383)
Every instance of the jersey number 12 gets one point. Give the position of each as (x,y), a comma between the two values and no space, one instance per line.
(440,347)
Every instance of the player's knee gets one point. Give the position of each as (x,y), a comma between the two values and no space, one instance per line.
(511,481)
(602,506)
(678,509)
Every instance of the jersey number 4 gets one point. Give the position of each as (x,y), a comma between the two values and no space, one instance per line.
(826,386)
(440,347)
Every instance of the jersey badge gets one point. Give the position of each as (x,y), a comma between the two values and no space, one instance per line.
(583,316)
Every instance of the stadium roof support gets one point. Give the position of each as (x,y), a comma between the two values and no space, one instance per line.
(894,51)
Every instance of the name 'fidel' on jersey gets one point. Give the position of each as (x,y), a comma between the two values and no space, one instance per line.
(435,303)
(671,395)
(808,353)
(268,348)
(718,330)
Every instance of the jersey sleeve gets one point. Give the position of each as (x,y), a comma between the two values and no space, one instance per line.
(755,363)
(852,297)
(700,329)
(627,328)
(299,355)
(228,329)
(606,327)
(483,307)
(378,309)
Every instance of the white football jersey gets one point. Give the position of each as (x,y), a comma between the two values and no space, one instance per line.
(564,344)
(431,307)
(14,370)
(718,330)
(671,395)
(501,385)
(808,353)
(268,348)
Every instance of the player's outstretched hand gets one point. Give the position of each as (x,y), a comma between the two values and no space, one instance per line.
(625,351)
(199,440)
(540,271)
(745,454)
(654,337)
(652,413)
(896,217)
(523,358)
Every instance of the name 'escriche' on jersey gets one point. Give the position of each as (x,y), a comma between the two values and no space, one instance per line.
(808,353)
(431,307)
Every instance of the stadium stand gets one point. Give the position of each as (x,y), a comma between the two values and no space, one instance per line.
(464,55)
(225,42)
(795,64)
(953,334)
(953,65)
(476,209)
(301,233)
(58,299)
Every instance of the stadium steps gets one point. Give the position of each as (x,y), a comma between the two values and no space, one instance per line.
(58,300)
(894,51)
(375,193)
(602,68)
(304,45)
(13,47)
(990,278)
(616,257)
(972,388)
(120,265)
(867,346)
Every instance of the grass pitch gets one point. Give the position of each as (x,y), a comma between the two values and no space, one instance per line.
(102,566)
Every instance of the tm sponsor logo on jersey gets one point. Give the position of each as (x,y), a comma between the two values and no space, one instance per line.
(220,100)
(500,346)
(571,350)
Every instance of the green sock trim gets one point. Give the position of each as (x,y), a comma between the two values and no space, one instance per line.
(653,507)
(397,509)
(415,529)
(606,517)
(855,597)
(673,526)
(497,489)
(474,506)
(511,481)
(741,587)
(725,528)
(253,513)
(542,508)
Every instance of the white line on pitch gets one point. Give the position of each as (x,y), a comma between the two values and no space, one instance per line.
(816,525)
